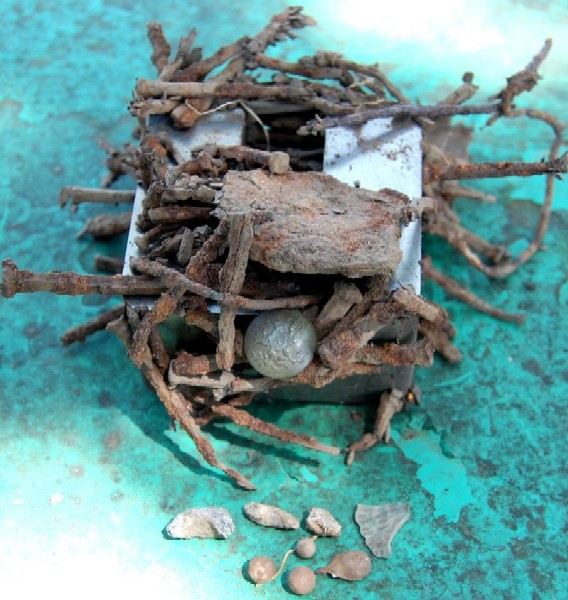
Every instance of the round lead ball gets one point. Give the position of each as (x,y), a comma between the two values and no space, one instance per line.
(280,343)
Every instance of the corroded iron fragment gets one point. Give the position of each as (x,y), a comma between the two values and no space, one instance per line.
(301,580)
(321,522)
(312,223)
(261,569)
(379,525)
(351,566)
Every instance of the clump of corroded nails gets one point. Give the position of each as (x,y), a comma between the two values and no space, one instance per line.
(351,566)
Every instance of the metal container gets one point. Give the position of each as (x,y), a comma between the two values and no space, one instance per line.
(380,154)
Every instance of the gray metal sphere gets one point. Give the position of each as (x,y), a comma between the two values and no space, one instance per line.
(280,343)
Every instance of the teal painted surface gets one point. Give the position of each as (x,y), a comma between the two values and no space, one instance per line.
(81,428)
(444,477)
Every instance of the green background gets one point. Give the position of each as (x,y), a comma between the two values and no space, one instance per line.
(482,461)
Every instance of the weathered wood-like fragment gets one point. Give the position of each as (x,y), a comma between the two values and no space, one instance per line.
(312,223)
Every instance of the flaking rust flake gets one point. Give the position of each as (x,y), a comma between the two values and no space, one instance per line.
(301,225)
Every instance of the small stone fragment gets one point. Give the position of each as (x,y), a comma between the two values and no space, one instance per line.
(351,566)
(270,516)
(261,569)
(301,580)
(201,523)
(379,524)
(305,548)
(303,226)
(321,522)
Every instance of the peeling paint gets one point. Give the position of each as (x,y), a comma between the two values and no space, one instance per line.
(443,477)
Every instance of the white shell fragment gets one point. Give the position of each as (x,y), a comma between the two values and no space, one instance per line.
(321,522)
(379,525)
(270,516)
(351,566)
(201,523)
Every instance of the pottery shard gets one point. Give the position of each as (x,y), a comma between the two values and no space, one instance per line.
(379,525)
(201,523)
(313,223)
(321,522)
(270,516)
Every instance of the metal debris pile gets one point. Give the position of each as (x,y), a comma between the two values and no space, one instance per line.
(257,227)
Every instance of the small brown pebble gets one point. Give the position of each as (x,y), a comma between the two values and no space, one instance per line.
(261,569)
(301,580)
(351,566)
(305,548)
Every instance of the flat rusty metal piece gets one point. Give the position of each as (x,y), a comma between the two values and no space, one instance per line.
(312,223)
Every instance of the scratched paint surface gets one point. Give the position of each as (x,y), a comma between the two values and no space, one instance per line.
(91,473)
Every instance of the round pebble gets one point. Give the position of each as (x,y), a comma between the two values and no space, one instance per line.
(305,548)
(301,580)
(280,343)
(261,569)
